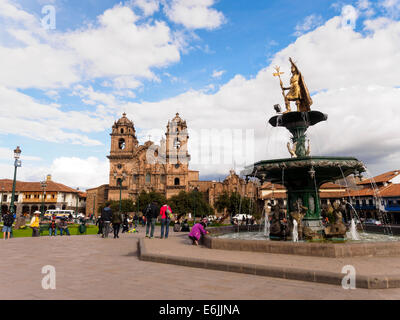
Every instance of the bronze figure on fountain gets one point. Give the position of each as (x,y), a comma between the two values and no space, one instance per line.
(298,91)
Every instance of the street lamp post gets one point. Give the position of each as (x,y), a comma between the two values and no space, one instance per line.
(77,200)
(94,205)
(119,181)
(1,205)
(43,185)
(17,163)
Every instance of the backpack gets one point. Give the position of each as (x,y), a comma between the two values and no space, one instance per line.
(168,213)
(148,211)
(8,220)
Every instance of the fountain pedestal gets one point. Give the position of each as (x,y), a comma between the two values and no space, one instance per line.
(303,175)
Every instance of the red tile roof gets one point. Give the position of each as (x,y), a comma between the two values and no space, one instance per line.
(21,186)
(384,177)
(392,190)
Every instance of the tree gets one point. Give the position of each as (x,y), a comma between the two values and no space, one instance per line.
(144,199)
(127,205)
(222,202)
(236,204)
(193,202)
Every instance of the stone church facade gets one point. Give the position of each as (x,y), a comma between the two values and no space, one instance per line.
(162,168)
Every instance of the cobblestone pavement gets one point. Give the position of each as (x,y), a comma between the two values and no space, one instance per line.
(89,267)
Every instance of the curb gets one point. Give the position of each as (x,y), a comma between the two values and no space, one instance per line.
(317,276)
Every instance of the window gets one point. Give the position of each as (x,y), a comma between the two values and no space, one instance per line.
(122,131)
(121,144)
(162,179)
(135,178)
(16,198)
(148,178)
(5,198)
(370,202)
(177,182)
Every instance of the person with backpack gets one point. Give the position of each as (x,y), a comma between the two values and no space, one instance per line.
(151,213)
(116,222)
(8,220)
(106,217)
(166,215)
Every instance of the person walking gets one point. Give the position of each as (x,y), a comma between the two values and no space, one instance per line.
(116,222)
(151,213)
(35,224)
(8,220)
(198,230)
(106,217)
(165,214)
(99,223)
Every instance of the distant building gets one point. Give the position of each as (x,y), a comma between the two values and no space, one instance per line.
(377,195)
(232,184)
(29,196)
(328,193)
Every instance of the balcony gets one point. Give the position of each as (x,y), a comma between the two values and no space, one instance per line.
(392,208)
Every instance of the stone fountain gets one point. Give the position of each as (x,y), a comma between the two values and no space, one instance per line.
(303,174)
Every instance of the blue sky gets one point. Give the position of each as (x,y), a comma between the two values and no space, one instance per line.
(62,89)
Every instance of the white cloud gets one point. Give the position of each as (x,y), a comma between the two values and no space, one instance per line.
(24,116)
(120,47)
(8,154)
(392,7)
(149,7)
(90,172)
(218,74)
(357,91)
(308,23)
(194,14)
(71,171)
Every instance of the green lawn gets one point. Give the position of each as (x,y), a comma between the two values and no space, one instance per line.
(73,230)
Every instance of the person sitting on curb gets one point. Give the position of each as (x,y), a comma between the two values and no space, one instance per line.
(63,227)
(198,231)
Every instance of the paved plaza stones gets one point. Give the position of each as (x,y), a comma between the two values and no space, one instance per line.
(89,267)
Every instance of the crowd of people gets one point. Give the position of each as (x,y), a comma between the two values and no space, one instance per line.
(114,223)
(110,221)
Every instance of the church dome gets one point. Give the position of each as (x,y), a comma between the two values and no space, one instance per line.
(124,121)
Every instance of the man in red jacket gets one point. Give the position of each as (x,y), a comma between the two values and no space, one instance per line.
(166,214)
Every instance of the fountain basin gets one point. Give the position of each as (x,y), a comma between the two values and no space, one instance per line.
(322,249)
(326,169)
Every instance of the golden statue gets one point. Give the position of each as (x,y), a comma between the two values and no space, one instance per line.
(298,91)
